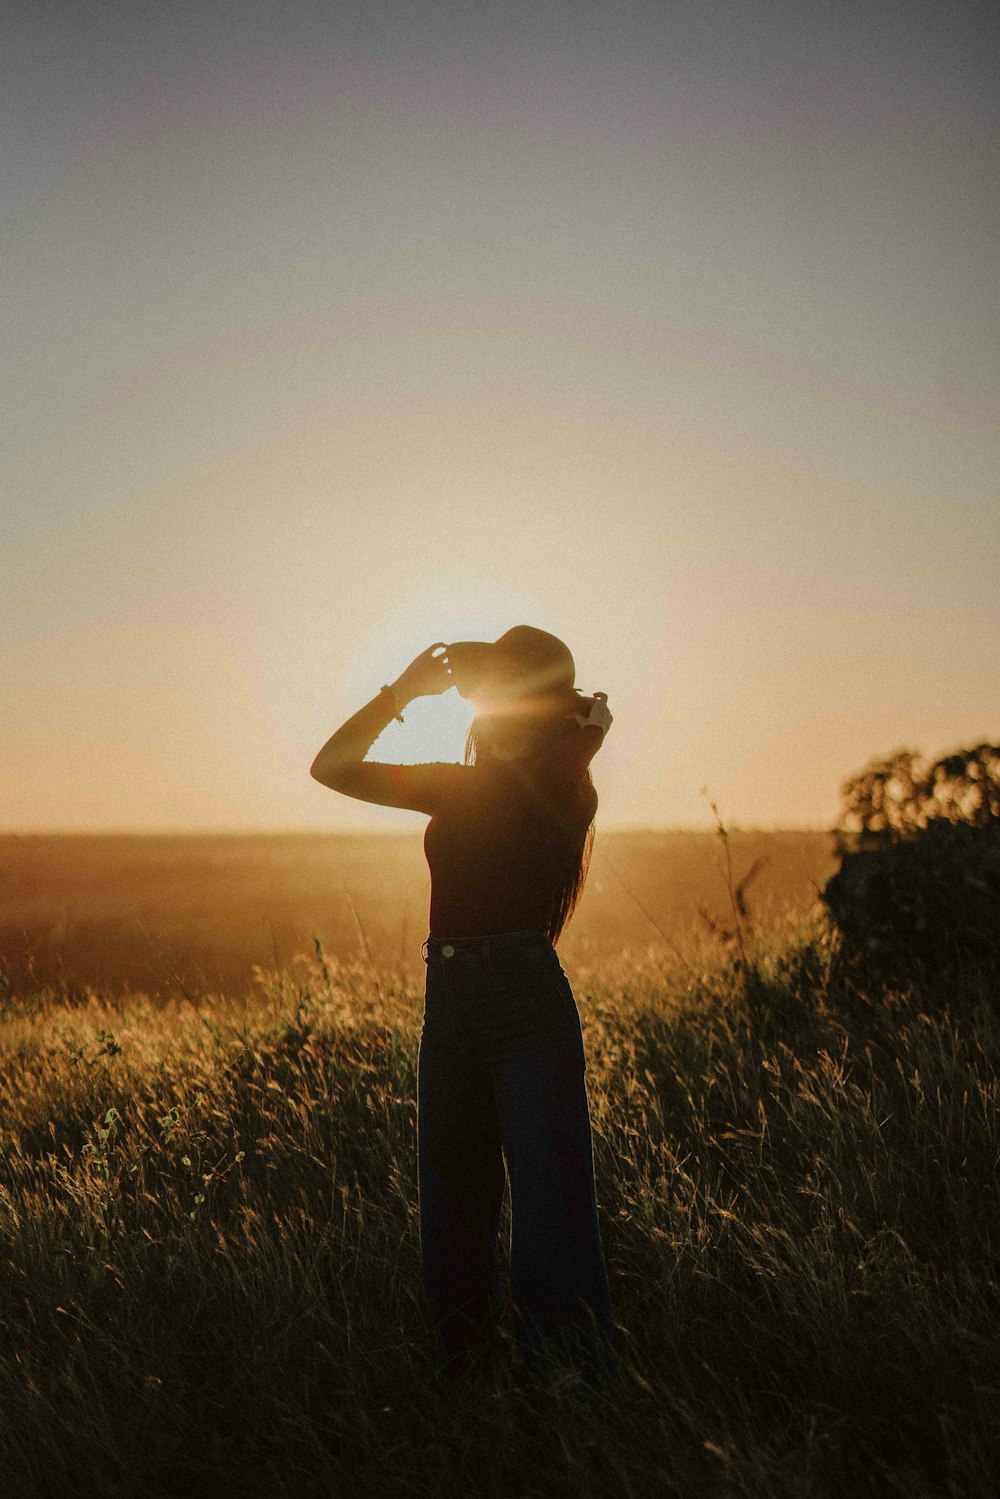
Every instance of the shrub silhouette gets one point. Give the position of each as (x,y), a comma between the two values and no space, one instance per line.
(917,894)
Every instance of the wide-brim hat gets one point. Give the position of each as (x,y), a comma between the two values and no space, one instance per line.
(523,662)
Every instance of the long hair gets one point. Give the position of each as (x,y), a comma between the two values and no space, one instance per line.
(579,844)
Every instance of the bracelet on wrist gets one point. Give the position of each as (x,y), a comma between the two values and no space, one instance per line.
(396,713)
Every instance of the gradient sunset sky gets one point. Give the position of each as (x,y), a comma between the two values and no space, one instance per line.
(334,330)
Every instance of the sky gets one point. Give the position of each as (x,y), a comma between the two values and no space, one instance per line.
(332,331)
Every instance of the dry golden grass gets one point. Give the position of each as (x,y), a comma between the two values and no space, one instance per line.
(208,1215)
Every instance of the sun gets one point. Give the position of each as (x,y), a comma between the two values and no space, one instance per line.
(469,607)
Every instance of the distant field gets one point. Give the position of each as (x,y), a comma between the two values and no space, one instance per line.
(141,912)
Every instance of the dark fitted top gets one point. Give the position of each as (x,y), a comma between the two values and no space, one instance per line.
(500,831)
(499,842)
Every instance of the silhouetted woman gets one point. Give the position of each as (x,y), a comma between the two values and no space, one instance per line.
(501,1062)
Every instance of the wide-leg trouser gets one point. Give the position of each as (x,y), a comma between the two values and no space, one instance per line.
(501,1077)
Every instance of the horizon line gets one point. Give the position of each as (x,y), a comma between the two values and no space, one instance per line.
(385,832)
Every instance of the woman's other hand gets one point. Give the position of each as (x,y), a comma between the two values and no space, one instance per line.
(426,674)
(599,713)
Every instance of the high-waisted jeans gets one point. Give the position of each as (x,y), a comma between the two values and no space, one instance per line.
(501,1076)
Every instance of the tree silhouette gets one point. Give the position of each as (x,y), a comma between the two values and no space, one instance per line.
(917,893)
(901,795)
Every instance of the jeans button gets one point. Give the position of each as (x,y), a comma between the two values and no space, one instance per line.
(447,951)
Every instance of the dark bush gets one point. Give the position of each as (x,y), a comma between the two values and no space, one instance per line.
(917,894)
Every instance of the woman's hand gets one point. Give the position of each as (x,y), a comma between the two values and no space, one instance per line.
(599,714)
(426,674)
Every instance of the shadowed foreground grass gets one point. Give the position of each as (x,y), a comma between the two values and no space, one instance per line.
(212,1283)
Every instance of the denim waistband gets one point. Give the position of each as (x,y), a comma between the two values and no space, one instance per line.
(443,948)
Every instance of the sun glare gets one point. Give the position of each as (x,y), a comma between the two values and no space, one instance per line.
(469,607)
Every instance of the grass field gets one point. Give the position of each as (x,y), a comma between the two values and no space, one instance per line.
(210,1234)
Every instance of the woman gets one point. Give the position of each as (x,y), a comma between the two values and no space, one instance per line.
(501,1062)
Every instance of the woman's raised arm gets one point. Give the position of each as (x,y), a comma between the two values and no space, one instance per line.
(341,764)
